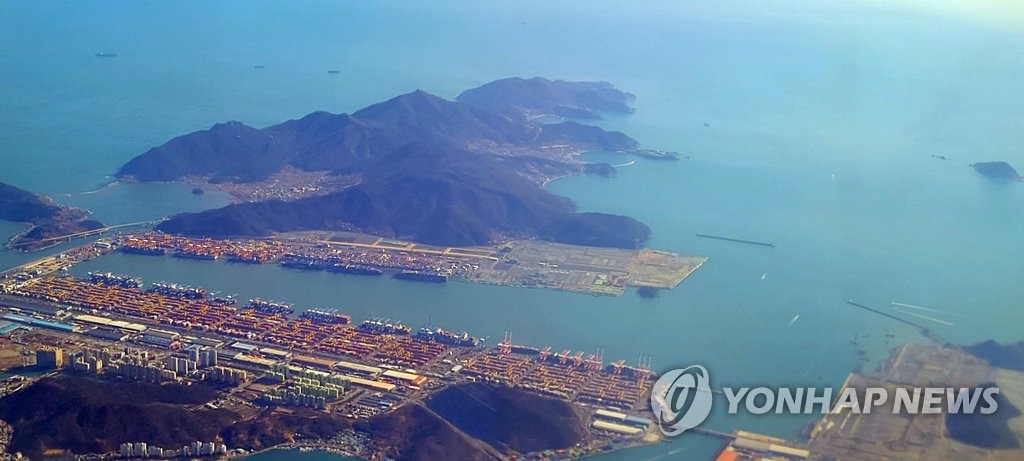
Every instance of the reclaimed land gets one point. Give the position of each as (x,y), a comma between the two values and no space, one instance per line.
(885,435)
(524,263)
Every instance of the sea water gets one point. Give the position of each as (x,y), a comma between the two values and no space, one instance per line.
(811,125)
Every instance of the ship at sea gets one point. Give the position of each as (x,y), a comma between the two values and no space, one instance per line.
(106,278)
(177,291)
(326,317)
(447,337)
(269,307)
(422,276)
(354,269)
(384,327)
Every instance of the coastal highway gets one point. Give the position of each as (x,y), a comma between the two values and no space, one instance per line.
(455,252)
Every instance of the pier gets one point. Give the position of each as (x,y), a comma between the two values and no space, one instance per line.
(730,239)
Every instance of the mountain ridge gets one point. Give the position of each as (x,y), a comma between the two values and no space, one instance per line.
(45,218)
(431,170)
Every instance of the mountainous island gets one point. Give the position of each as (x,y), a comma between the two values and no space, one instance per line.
(1000,171)
(539,97)
(463,172)
(46,218)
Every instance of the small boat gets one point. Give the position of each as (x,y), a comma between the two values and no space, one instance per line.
(259,67)
(106,55)
(332,71)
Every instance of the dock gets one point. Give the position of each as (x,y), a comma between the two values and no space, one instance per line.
(730,239)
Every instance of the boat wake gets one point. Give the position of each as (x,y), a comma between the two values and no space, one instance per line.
(666,455)
(920,308)
(625,164)
(99,189)
(915,314)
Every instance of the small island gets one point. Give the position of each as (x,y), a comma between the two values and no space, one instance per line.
(999,171)
(45,218)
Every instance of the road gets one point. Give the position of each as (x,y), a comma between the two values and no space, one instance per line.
(85,233)
(455,252)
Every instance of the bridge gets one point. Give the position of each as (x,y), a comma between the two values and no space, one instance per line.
(89,233)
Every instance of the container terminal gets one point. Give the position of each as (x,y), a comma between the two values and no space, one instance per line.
(327,337)
(267,350)
(600,271)
(269,355)
(271,358)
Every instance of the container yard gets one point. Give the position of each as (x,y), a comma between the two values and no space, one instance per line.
(600,271)
(265,333)
(261,321)
(157,244)
(264,355)
(563,375)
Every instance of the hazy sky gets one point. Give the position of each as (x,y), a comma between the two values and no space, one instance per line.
(1004,14)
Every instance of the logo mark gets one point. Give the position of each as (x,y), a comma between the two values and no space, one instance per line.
(681,399)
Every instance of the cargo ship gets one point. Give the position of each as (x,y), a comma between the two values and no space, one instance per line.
(269,307)
(223,301)
(525,350)
(245,259)
(309,264)
(422,276)
(106,278)
(326,316)
(354,269)
(177,291)
(190,255)
(383,327)
(447,337)
(143,251)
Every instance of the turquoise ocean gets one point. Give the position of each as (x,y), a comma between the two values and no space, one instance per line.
(821,122)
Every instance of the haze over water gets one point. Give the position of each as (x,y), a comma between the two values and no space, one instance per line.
(866,92)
